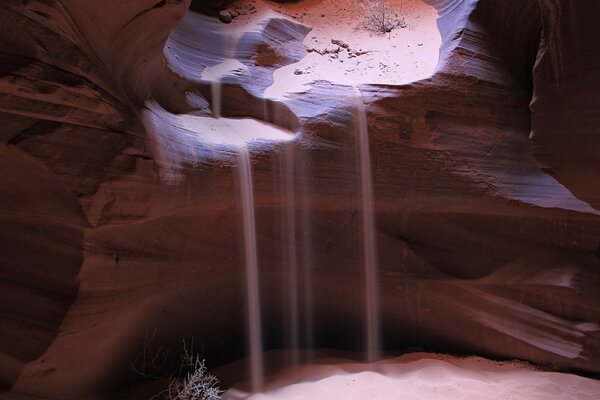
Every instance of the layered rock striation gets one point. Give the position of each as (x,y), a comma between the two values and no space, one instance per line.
(118,237)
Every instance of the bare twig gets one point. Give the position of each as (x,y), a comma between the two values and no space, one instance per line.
(197,384)
(146,364)
(377,16)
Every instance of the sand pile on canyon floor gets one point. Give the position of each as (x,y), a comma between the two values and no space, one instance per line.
(421,376)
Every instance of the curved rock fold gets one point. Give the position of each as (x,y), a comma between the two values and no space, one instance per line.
(119,207)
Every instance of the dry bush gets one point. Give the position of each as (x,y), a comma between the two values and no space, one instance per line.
(191,382)
(197,384)
(377,16)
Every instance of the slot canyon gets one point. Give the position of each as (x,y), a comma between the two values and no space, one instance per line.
(311,199)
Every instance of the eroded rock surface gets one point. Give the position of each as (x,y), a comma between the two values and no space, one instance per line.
(488,236)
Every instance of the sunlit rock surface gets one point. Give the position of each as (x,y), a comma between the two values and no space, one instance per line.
(485,172)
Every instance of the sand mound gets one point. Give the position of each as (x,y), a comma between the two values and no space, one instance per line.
(423,376)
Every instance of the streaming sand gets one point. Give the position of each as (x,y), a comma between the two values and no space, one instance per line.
(420,376)
(340,49)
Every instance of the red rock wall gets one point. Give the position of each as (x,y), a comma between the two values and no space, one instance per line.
(480,250)
(564,134)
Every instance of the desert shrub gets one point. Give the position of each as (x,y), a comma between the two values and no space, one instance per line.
(197,384)
(191,382)
(377,16)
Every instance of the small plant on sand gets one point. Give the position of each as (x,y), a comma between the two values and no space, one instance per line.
(377,16)
(197,384)
(190,382)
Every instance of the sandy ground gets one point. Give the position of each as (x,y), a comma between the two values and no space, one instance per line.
(420,376)
(342,50)
(346,47)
